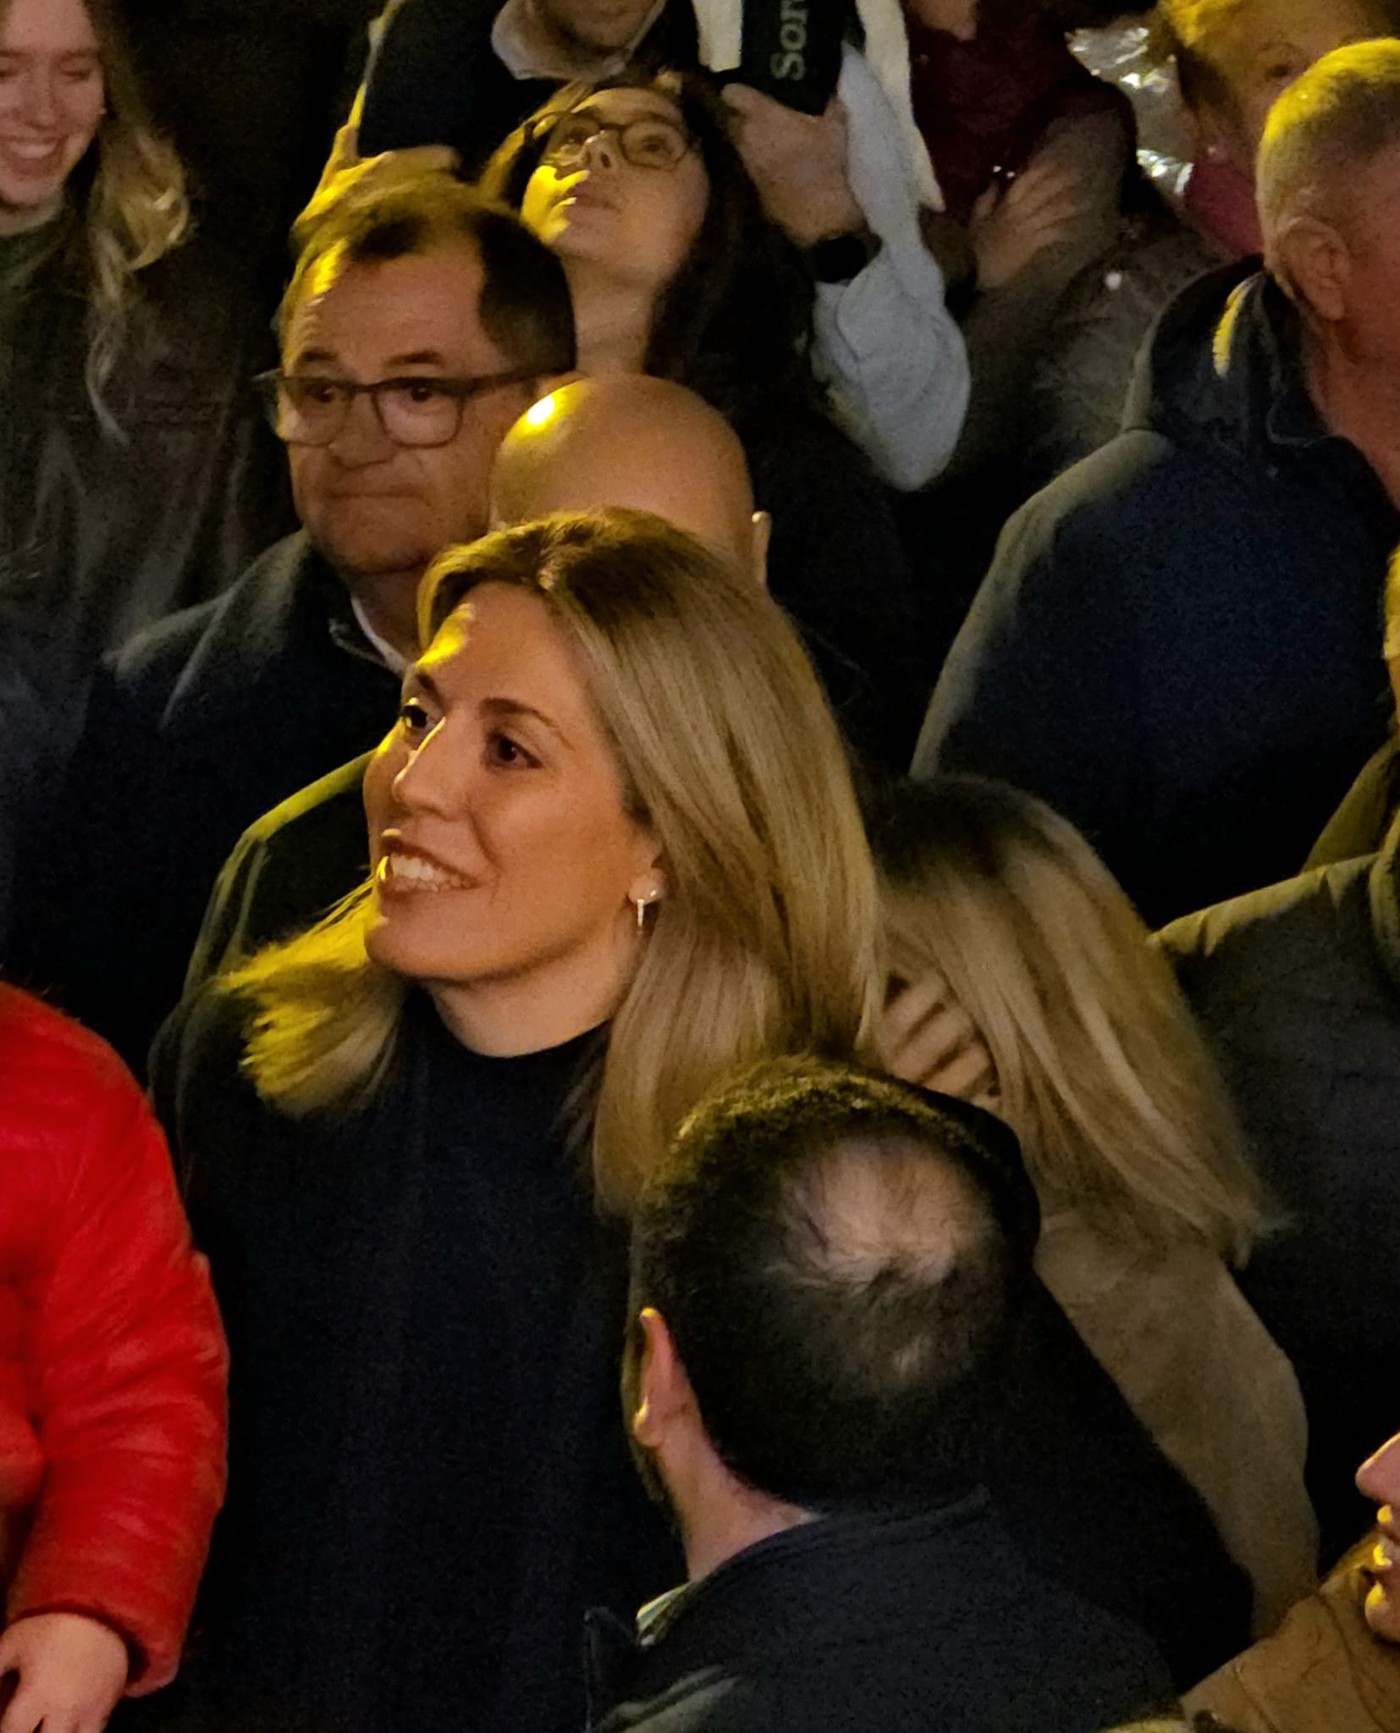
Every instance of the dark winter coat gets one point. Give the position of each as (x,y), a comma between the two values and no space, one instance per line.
(870,1624)
(429,1478)
(194,729)
(1177,645)
(1298,987)
(290,867)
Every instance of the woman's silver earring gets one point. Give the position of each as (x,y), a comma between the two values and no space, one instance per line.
(642,904)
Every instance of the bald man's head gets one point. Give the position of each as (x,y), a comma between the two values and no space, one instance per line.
(1329,186)
(1337,119)
(632,441)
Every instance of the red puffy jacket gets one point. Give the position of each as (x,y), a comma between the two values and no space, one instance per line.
(112,1359)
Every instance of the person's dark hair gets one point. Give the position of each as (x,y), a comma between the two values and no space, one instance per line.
(735,323)
(525,307)
(837,1256)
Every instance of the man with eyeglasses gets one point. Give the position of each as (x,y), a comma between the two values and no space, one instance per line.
(419,323)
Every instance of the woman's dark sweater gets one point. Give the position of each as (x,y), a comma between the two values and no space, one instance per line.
(424,1316)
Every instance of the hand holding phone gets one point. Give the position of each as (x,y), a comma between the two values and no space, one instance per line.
(798,164)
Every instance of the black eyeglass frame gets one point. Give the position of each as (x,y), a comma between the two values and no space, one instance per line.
(537,133)
(269,386)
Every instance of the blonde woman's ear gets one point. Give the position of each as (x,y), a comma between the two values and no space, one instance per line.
(643,896)
(648,886)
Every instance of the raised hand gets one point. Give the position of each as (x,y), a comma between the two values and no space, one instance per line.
(1011,224)
(797,162)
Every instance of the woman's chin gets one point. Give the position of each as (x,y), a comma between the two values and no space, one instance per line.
(390,943)
(581,232)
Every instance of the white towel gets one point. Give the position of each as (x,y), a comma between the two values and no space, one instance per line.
(720,29)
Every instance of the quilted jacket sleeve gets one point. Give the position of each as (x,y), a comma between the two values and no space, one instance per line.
(126,1365)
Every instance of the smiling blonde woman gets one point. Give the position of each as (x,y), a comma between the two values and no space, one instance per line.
(616,852)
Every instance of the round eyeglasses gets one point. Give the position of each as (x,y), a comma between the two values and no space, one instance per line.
(650,141)
(307,409)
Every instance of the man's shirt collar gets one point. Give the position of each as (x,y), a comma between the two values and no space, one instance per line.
(654,1617)
(343,633)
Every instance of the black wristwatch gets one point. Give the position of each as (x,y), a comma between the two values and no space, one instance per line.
(838,258)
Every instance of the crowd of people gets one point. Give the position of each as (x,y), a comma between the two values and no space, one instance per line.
(695,696)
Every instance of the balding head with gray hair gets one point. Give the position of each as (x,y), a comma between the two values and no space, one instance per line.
(1322,134)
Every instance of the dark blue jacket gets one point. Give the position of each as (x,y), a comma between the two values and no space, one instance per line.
(1178,645)
(868,1624)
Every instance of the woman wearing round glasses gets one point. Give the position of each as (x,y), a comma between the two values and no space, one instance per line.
(675,271)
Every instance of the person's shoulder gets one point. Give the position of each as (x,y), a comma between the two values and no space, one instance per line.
(35,1038)
(156,655)
(204,1037)
(320,806)
(1105,504)
(133,685)
(1261,919)
(1067,552)
(196,1064)
(65,1092)
(1322,1671)
(1091,1664)
(285,871)
(148,667)
(1359,825)
(1299,929)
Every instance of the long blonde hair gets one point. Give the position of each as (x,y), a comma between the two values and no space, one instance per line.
(1101,1070)
(767,939)
(131,204)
